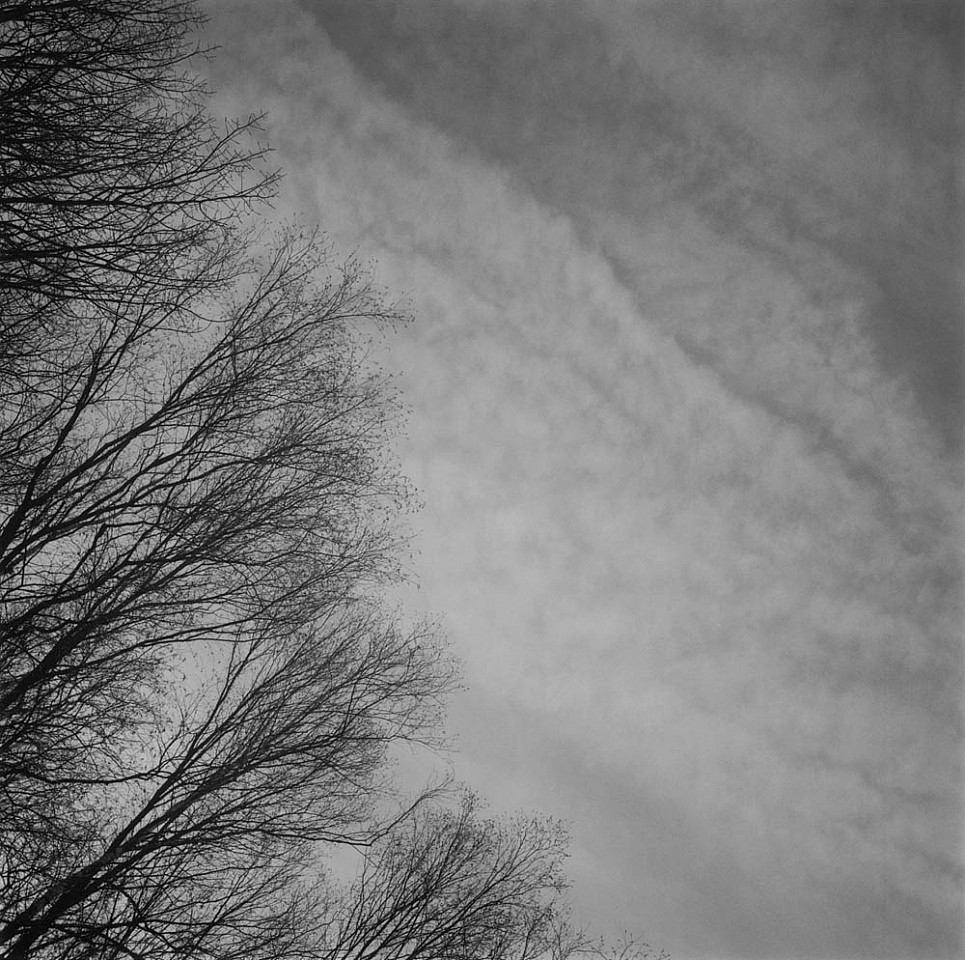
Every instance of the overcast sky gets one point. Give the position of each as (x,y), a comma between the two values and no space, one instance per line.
(686,414)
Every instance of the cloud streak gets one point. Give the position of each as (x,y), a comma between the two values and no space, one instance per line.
(692,526)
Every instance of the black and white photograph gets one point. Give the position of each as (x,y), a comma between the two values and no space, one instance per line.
(482,479)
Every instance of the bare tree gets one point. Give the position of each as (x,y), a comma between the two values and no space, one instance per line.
(109,163)
(198,684)
(211,495)
(449,884)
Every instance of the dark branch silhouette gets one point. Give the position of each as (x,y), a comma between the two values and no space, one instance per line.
(109,165)
(198,685)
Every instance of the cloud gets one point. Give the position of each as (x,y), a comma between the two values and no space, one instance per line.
(837,125)
(833,165)
(695,540)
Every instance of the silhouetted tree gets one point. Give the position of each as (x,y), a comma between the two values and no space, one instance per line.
(178,489)
(198,685)
(109,163)
(451,884)
(448,884)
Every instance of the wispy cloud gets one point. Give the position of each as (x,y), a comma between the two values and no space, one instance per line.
(691,526)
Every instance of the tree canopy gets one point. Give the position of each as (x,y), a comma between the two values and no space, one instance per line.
(198,683)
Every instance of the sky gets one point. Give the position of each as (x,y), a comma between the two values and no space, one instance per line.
(685,411)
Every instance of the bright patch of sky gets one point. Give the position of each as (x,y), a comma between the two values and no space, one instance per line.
(685,390)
